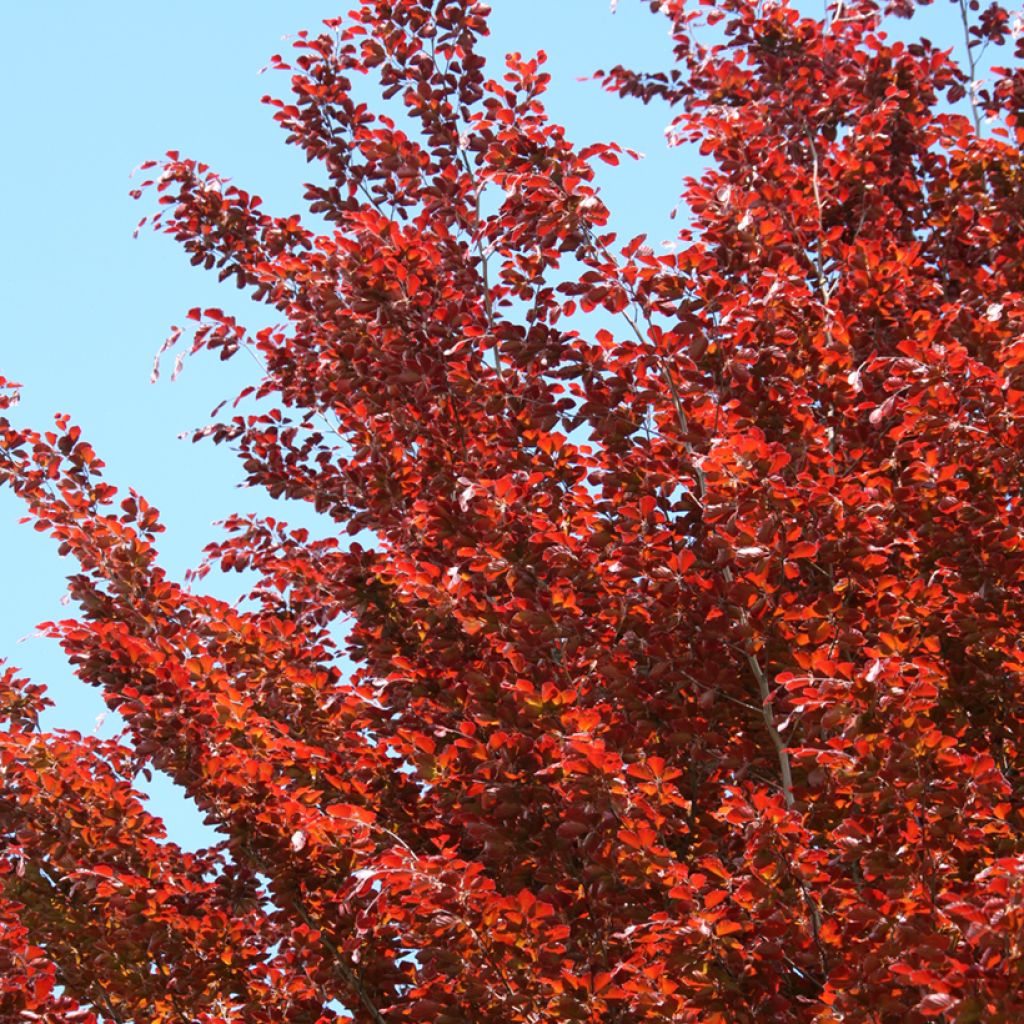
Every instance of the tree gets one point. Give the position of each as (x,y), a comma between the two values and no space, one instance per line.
(684,591)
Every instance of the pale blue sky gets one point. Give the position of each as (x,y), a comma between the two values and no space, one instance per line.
(94,89)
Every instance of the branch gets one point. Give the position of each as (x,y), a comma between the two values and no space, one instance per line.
(764,691)
(352,979)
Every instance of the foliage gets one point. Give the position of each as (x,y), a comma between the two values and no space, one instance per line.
(684,591)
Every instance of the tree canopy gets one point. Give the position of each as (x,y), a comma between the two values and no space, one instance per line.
(660,657)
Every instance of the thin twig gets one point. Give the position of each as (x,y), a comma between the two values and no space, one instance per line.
(965,21)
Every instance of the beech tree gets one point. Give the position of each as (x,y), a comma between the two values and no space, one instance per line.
(683,589)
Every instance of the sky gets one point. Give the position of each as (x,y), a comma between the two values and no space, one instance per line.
(92,90)
(95,89)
